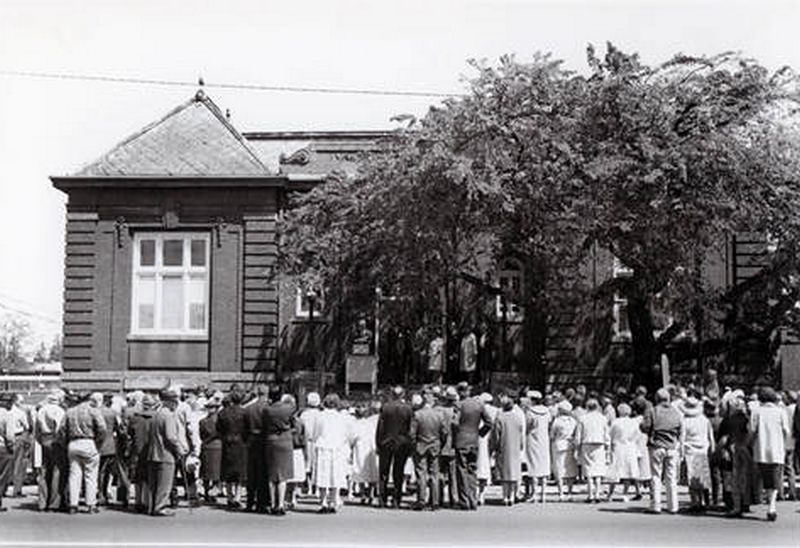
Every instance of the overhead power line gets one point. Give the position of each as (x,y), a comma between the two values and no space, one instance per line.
(31,315)
(222,85)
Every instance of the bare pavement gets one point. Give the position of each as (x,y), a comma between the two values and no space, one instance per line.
(554,524)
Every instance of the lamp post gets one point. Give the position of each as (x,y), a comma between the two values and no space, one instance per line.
(311,296)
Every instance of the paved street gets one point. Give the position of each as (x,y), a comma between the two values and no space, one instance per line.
(617,524)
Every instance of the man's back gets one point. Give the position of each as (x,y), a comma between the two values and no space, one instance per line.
(468,417)
(394,424)
(164,444)
(85,422)
(428,430)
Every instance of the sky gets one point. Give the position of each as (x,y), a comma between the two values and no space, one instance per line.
(53,127)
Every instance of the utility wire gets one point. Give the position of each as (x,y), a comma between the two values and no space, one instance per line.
(253,87)
(30,315)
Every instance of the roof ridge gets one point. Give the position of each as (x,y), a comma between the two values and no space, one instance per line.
(138,133)
(201,97)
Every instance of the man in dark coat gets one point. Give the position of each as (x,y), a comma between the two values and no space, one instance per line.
(257,491)
(164,451)
(394,445)
(470,411)
(111,459)
(428,431)
(138,435)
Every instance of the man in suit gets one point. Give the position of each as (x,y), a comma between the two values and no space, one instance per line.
(469,413)
(447,459)
(428,430)
(257,491)
(164,451)
(393,443)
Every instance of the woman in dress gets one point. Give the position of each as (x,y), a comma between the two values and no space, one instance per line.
(330,439)
(484,464)
(537,443)
(591,440)
(365,455)
(299,458)
(230,426)
(624,435)
(735,438)
(639,408)
(697,444)
(562,432)
(770,428)
(508,440)
(210,450)
(277,423)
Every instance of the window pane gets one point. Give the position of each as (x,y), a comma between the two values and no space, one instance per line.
(147,253)
(172,302)
(196,294)
(198,253)
(146,294)
(173,252)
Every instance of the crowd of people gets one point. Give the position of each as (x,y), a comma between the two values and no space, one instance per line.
(258,450)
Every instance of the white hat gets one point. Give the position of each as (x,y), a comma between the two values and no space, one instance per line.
(416,400)
(486,397)
(534,395)
(313,399)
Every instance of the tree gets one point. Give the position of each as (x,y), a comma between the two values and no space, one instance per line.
(14,334)
(675,160)
(56,350)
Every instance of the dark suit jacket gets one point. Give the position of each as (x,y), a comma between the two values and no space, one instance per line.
(468,416)
(277,420)
(253,423)
(428,431)
(394,424)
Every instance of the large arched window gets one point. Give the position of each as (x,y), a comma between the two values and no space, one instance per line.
(510,279)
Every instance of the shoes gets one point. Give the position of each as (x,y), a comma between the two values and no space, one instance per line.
(93,510)
(72,510)
(3,509)
(772,516)
(638,497)
(164,514)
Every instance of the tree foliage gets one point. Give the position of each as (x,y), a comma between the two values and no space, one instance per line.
(655,165)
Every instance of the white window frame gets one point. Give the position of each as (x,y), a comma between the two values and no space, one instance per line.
(514,312)
(158,271)
(619,270)
(301,310)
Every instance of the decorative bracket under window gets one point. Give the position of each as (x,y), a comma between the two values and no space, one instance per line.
(120,227)
(219,226)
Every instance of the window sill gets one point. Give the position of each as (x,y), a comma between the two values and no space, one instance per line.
(155,337)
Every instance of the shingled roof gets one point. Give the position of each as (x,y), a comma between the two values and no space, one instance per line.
(195,139)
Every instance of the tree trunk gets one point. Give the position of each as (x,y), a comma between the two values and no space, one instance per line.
(643,343)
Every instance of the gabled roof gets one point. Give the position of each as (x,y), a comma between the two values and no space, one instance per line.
(195,139)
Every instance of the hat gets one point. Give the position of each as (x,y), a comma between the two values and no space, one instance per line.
(213,403)
(437,390)
(416,400)
(691,406)
(534,395)
(55,395)
(170,393)
(313,399)
(463,385)
(148,402)
(564,407)
(451,393)
(486,397)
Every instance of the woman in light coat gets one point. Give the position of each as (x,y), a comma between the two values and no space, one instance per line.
(562,443)
(484,465)
(330,437)
(537,444)
(770,428)
(697,444)
(624,436)
(591,441)
(508,439)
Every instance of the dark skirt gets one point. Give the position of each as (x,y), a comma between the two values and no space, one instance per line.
(279,457)
(211,463)
(770,475)
(234,460)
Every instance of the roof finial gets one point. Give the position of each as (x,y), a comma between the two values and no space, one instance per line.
(200,95)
